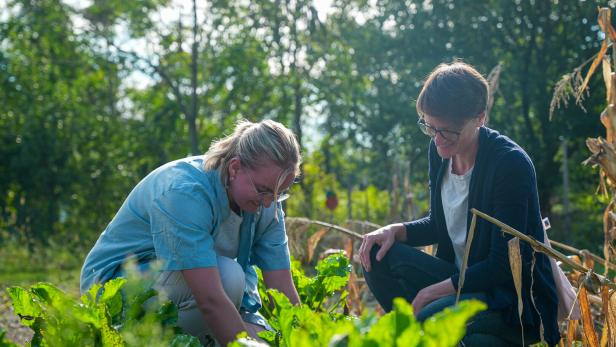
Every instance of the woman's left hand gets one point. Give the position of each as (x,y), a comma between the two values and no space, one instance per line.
(431,293)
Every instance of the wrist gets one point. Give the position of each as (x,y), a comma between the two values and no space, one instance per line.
(399,231)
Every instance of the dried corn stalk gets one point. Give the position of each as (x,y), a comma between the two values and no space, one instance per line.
(515,262)
(610,318)
(467,248)
(587,323)
(571,330)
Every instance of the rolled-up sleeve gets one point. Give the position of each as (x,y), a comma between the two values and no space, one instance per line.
(181,224)
(270,249)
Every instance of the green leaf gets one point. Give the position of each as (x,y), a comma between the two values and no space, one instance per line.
(334,265)
(89,298)
(50,295)
(454,318)
(395,324)
(110,336)
(167,314)
(24,305)
(112,296)
(184,340)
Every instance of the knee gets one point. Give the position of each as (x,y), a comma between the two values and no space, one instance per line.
(232,278)
(379,266)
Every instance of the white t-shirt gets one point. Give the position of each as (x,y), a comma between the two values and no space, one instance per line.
(227,241)
(454,195)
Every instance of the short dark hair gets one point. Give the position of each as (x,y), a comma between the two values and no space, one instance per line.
(455,92)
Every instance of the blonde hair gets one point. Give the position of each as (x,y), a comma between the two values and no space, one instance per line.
(252,143)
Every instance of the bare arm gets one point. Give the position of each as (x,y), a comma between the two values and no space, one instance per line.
(283,282)
(220,314)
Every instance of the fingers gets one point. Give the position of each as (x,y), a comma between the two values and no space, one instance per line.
(364,252)
(385,246)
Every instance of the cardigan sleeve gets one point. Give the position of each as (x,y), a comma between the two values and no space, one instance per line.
(514,185)
(422,232)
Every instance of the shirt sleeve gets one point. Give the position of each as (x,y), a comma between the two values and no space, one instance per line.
(270,249)
(515,185)
(182,223)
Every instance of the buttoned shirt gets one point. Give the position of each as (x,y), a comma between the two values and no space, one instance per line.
(173,216)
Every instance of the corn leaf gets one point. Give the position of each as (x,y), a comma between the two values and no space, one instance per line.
(587,323)
(611,317)
(467,248)
(515,261)
(591,70)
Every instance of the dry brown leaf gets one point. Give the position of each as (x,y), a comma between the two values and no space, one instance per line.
(607,76)
(348,248)
(603,154)
(515,261)
(592,69)
(605,298)
(354,302)
(587,324)
(605,22)
(607,123)
(467,248)
(608,116)
(313,241)
(589,262)
(611,319)
(571,329)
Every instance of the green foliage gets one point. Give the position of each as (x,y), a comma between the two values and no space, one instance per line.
(316,324)
(300,326)
(321,293)
(115,314)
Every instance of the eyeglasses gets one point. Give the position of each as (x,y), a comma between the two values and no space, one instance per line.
(449,135)
(263,195)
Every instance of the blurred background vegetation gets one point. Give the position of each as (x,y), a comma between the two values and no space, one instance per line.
(95,94)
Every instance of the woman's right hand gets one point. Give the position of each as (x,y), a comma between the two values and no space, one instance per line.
(384,237)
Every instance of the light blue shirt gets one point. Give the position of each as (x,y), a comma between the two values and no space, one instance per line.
(173,215)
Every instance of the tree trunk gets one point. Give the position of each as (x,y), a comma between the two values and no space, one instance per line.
(192,117)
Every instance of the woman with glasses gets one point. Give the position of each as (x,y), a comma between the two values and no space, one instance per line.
(207,220)
(470,166)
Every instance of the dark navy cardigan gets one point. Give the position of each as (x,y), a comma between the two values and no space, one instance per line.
(503,185)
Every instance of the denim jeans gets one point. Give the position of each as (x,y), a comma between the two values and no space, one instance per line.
(404,271)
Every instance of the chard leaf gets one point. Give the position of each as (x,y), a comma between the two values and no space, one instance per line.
(454,319)
(24,305)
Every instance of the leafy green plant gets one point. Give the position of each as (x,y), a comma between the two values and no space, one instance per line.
(301,326)
(316,324)
(115,314)
(322,292)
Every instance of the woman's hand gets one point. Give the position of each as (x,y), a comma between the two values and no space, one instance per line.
(383,237)
(431,293)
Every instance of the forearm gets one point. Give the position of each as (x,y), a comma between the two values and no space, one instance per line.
(420,232)
(442,289)
(282,281)
(222,318)
(219,313)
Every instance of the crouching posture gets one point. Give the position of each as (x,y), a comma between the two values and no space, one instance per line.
(470,166)
(207,220)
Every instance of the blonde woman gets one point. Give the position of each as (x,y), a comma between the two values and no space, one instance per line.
(208,219)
